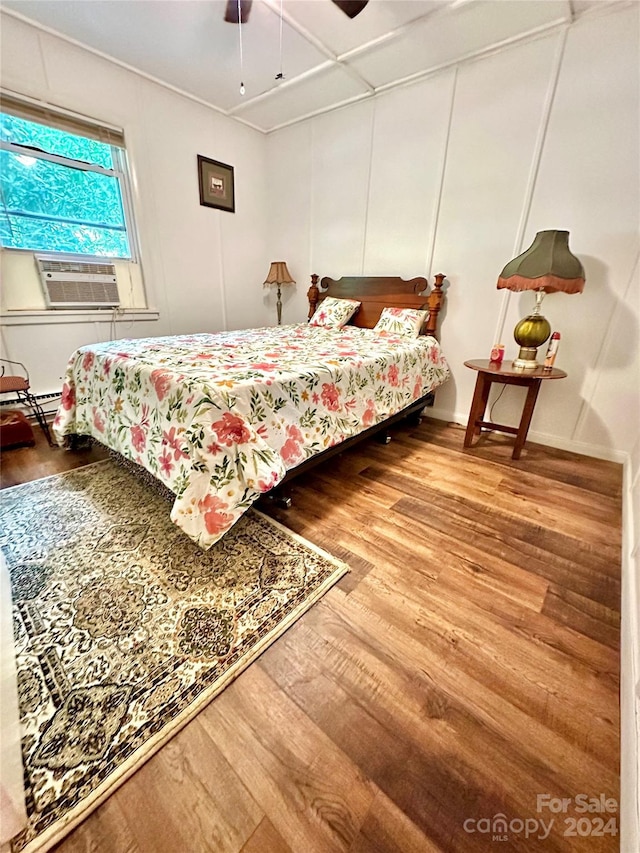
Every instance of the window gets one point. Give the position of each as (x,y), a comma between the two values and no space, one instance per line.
(63,184)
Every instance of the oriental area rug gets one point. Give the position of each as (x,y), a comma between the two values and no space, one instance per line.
(124,629)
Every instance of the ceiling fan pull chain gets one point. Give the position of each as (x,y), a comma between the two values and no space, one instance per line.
(241,56)
(280,75)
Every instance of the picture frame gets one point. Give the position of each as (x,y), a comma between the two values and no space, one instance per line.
(216,184)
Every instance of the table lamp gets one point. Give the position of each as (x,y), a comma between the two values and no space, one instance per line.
(547,266)
(279,275)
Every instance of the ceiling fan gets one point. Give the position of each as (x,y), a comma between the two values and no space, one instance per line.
(237,11)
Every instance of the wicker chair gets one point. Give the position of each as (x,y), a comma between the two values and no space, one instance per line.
(19,385)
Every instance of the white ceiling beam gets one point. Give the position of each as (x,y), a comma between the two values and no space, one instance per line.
(452,6)
(488,50)
(315,42)
(285,84)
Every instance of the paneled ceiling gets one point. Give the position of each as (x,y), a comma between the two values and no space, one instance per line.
(327,59)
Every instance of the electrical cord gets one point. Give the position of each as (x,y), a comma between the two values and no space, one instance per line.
(114,324)
(494,403)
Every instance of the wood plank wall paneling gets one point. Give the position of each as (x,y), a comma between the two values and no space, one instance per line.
(468,663)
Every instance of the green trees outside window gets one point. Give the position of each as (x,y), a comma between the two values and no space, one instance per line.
(61,192)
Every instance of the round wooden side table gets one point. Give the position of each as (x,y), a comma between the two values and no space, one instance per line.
(490,372)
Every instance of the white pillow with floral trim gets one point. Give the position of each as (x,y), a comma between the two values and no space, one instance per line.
(333,312)
(405,322)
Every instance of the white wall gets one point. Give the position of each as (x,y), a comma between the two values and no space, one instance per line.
(202,267)
(455,174)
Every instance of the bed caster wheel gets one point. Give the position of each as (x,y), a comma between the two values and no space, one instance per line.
(384,437)
(282,501)
(79,442)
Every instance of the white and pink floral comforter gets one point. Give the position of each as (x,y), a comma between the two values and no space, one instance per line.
(220,418)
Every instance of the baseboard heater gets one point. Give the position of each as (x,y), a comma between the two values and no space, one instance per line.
(78,283)
(52,397)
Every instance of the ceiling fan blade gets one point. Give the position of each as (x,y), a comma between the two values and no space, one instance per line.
(351,8)
(231,11)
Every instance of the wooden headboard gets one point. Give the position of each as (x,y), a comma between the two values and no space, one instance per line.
(378,292)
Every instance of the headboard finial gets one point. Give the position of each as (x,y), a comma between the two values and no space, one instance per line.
(313,294)
(435,303)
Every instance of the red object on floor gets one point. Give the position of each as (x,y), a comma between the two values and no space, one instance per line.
(15,429)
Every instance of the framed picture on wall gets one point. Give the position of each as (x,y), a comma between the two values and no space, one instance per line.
(216,184)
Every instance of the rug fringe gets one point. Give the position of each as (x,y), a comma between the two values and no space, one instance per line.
(301,540)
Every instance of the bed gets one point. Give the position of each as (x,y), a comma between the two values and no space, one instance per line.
(223,419)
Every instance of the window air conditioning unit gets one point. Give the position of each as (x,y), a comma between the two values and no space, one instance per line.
(78,283)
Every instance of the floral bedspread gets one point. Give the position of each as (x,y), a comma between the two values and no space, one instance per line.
(220,418)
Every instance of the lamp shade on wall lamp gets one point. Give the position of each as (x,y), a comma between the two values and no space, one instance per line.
(547,266)
(279,275)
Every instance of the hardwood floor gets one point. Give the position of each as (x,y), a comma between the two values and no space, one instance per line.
(468,665)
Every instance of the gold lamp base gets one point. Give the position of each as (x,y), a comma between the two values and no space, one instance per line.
(526,359)
(530,333)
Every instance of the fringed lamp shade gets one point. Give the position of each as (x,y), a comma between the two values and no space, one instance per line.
(547,266)
(279,275)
